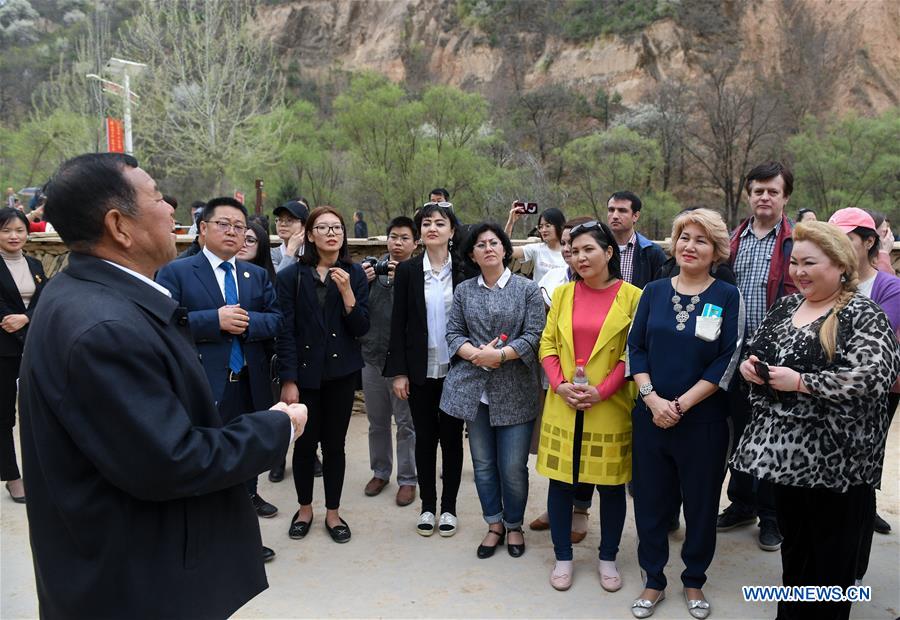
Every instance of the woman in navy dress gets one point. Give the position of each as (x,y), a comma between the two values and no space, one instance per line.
(683,350)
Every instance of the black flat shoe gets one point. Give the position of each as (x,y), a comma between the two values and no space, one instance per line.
(339,533)
(268,554)
(485,551)
(298,529)
(516,551)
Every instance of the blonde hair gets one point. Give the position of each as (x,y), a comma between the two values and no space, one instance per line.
(713,227)
(835,244)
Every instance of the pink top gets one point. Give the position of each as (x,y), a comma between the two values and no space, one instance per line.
(589,311)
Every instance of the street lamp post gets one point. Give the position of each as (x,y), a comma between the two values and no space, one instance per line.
(124,69)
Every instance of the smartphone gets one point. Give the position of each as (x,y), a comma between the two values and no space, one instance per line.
(531,207)
(762,369)
(519,206)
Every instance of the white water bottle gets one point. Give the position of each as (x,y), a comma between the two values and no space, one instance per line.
(580,377)
(501,342)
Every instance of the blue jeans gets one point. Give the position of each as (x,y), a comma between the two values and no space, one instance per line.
(500,459)
(612,518)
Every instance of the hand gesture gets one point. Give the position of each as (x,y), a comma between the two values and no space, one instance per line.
(290,393)
(748,371)
(663,411)
(392,267)
(571,394)
(341,279)
(369,271)
(783,379)
(14,322)
(887,239)
(296,412)
(233,319)
(514,214)
(588,396)
(487,355)
(401,387)
(294,243)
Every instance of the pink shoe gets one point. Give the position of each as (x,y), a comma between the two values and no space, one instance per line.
(561,577)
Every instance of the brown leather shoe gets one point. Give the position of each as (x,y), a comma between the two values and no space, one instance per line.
(406,494)
(577,537)
(375,486)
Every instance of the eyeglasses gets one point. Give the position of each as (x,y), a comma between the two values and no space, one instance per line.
(286,221)
(248,240)
(403,238)
(325,229)
(445,205)
(483,245)
(223,226)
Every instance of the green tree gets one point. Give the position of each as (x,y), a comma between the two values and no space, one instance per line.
(209,76)
(601,163)
(851,162)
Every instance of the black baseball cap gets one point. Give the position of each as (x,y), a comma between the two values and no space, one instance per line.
(295,208)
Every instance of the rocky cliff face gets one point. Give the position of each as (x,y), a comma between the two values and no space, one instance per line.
(855,44)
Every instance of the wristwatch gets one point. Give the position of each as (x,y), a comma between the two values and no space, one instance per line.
(645,389)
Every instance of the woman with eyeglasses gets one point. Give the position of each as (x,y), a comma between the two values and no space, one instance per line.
(21,281)
(324,301)
(585,427)
(683,351)
(256,249)
(418,359)
(493,332)
(547,254)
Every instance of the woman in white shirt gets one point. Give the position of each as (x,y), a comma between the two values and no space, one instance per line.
(418,359)
(547,254)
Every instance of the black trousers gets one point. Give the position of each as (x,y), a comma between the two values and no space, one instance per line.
(822,531)
(329,410)
(683,462)
(238,400)
(434,427)
(9,372)
(749,495)
(865,543)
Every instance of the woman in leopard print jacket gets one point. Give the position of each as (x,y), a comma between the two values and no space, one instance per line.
(821,365)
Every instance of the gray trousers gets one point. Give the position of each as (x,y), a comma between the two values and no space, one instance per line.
(381,404)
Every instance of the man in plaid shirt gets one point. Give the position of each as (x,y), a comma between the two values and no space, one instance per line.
(760,255)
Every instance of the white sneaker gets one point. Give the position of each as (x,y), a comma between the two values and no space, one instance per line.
(447,524)
(425,527)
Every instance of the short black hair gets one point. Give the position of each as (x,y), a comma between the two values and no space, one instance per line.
(171,200)
(605,239)
(83,190)
(803,212)
(770,170)
(401,221)
(631,197)
(358,214)
(261,219)
(223,201)
(7,214)
(442,191)
(555,218)
(479,229)
(197,204)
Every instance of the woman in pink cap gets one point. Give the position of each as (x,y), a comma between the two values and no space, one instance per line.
(884,289)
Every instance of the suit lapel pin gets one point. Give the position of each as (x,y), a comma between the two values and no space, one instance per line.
(246,275)
(37,279)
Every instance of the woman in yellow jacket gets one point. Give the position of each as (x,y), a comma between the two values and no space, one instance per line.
(587,415)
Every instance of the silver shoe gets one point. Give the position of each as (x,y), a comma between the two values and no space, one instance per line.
(643,608)
(698,608)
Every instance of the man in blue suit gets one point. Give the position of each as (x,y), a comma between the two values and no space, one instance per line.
(231,313)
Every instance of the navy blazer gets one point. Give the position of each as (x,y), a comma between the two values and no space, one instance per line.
(316,343)
(408,348)
(193,284)
(136,499)
(11,303)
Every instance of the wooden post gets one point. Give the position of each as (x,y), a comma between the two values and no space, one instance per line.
(259,192)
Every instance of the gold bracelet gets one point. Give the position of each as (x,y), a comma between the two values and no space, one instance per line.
(503,355)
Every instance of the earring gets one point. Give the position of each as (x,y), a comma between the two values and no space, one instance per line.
(843,278)
(450,244)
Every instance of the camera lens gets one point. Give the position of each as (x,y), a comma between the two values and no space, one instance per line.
(382,268)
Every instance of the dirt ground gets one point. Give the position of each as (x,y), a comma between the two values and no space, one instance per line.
(388,571)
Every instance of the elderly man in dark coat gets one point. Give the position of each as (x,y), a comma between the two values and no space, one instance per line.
(136,504)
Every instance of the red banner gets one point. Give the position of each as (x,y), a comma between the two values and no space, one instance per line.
(115,135)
